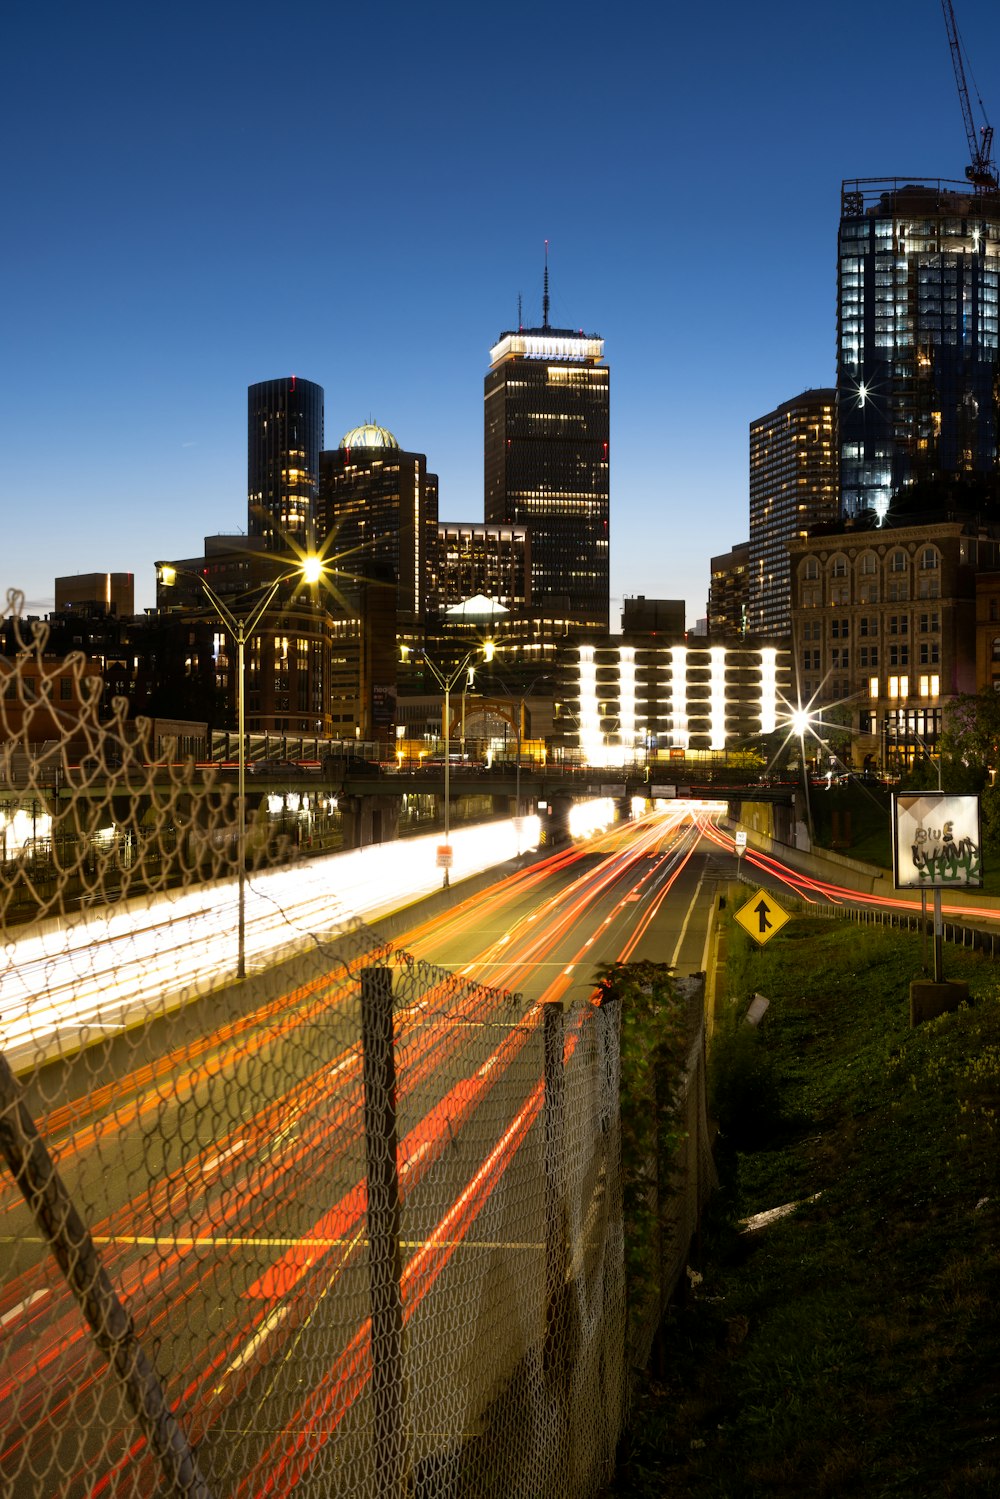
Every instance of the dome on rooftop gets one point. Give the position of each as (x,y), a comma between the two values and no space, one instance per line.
(369,436)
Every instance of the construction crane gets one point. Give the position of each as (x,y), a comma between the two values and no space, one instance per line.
(981,171)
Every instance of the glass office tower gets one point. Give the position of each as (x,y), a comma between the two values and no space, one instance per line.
(917,362)
(547,415)
(284,438)
(383,505)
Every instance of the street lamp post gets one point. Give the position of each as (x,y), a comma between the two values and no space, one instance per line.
(240,627)
(521,700)
(446,681)
(800,723)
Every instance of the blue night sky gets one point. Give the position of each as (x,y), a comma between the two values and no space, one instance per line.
(206,196)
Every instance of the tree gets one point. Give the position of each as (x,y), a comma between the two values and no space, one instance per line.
(970,740)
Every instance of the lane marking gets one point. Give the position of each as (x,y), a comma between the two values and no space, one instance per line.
(687,920)
(271,1322)
(22,1306)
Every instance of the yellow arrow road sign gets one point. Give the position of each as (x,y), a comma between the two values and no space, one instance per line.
(761,917)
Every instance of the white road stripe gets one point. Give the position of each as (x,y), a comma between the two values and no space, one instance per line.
(22,1306)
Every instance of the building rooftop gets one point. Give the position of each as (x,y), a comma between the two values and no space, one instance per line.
(548,343)
(368,436)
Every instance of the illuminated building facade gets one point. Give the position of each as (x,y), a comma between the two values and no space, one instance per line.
(473,559)
(988,632)
(625,698)
(884,626)
(382,504)
(284,438)
(917,336)
(97,593)
(728,594)
(547,405)
(793,486)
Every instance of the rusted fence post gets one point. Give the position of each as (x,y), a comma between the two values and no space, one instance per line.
(384,1265)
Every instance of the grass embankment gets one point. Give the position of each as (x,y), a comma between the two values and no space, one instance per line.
(851,1347)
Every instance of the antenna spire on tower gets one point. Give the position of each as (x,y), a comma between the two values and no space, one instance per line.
(545,296)
(520,319)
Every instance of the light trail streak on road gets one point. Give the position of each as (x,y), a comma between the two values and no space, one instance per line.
(812,889)
(221,1167)
(101,971)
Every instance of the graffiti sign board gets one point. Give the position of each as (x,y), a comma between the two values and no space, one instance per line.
(936,841)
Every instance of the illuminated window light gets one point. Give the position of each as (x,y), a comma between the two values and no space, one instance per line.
(626,694)
(768,690)
(678,695)
(717,699)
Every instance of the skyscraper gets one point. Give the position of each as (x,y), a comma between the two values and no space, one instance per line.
(284,438)
(547,405)
(917,349)
(793,486)
(383,505)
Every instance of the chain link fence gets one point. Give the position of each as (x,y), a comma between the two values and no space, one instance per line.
(349,1226)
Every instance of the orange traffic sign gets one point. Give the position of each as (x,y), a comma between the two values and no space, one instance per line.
(761,917)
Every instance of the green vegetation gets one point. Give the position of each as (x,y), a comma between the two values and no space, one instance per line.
(849,1347)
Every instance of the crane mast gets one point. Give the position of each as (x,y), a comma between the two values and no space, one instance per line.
(980,172)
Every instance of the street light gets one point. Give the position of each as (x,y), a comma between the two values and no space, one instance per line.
(801,721)
(446,681)
(310,570)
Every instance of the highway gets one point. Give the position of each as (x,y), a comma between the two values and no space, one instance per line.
(216,1155)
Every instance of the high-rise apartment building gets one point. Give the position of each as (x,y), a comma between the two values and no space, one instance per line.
(547,405)
(917,336)
(382,505)
(793,486)
(479,559)
(284,438)
(728,594)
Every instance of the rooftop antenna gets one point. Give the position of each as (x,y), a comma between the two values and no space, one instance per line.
(545,296)
(520,320)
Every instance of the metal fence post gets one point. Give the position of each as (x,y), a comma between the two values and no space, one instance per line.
(44,1191)
(384,1264)
(554,1126)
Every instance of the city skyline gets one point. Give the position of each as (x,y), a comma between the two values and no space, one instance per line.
(201,211)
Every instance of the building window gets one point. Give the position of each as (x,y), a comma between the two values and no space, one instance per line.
(899,655)
(899,590)
(994,610)
(930,653)
(839,567)
(869,593)
(811,568)
(930,559)
(996,647)
(930,624)
(899,624)
(868,564)
(810,660)
(868,656)
(897,562)
(840,658)
(838,629)
(840,593)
